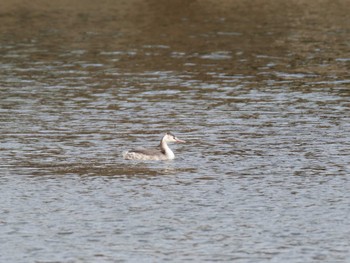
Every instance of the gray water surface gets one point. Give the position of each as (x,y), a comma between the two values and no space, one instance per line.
(260,94)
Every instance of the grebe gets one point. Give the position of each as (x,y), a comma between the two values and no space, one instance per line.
(162,152)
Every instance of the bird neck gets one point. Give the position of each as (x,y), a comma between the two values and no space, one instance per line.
(165,148)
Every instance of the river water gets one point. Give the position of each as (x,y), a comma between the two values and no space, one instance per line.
(259,90)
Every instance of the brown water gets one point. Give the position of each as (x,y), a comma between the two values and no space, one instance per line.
(259,89)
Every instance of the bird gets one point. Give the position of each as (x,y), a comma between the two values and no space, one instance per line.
(161,152)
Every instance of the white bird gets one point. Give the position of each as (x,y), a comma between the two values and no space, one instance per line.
(162,152)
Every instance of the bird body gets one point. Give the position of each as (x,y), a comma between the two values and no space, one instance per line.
(161,152)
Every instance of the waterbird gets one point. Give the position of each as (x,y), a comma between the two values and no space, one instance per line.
(161,152)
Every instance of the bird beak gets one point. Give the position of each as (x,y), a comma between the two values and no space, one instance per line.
(180,141)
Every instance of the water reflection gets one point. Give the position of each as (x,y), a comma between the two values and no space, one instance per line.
(258,89)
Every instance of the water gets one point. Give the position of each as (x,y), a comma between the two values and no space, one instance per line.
(262,100)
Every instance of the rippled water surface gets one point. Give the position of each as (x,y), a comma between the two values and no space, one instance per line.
(259,91)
